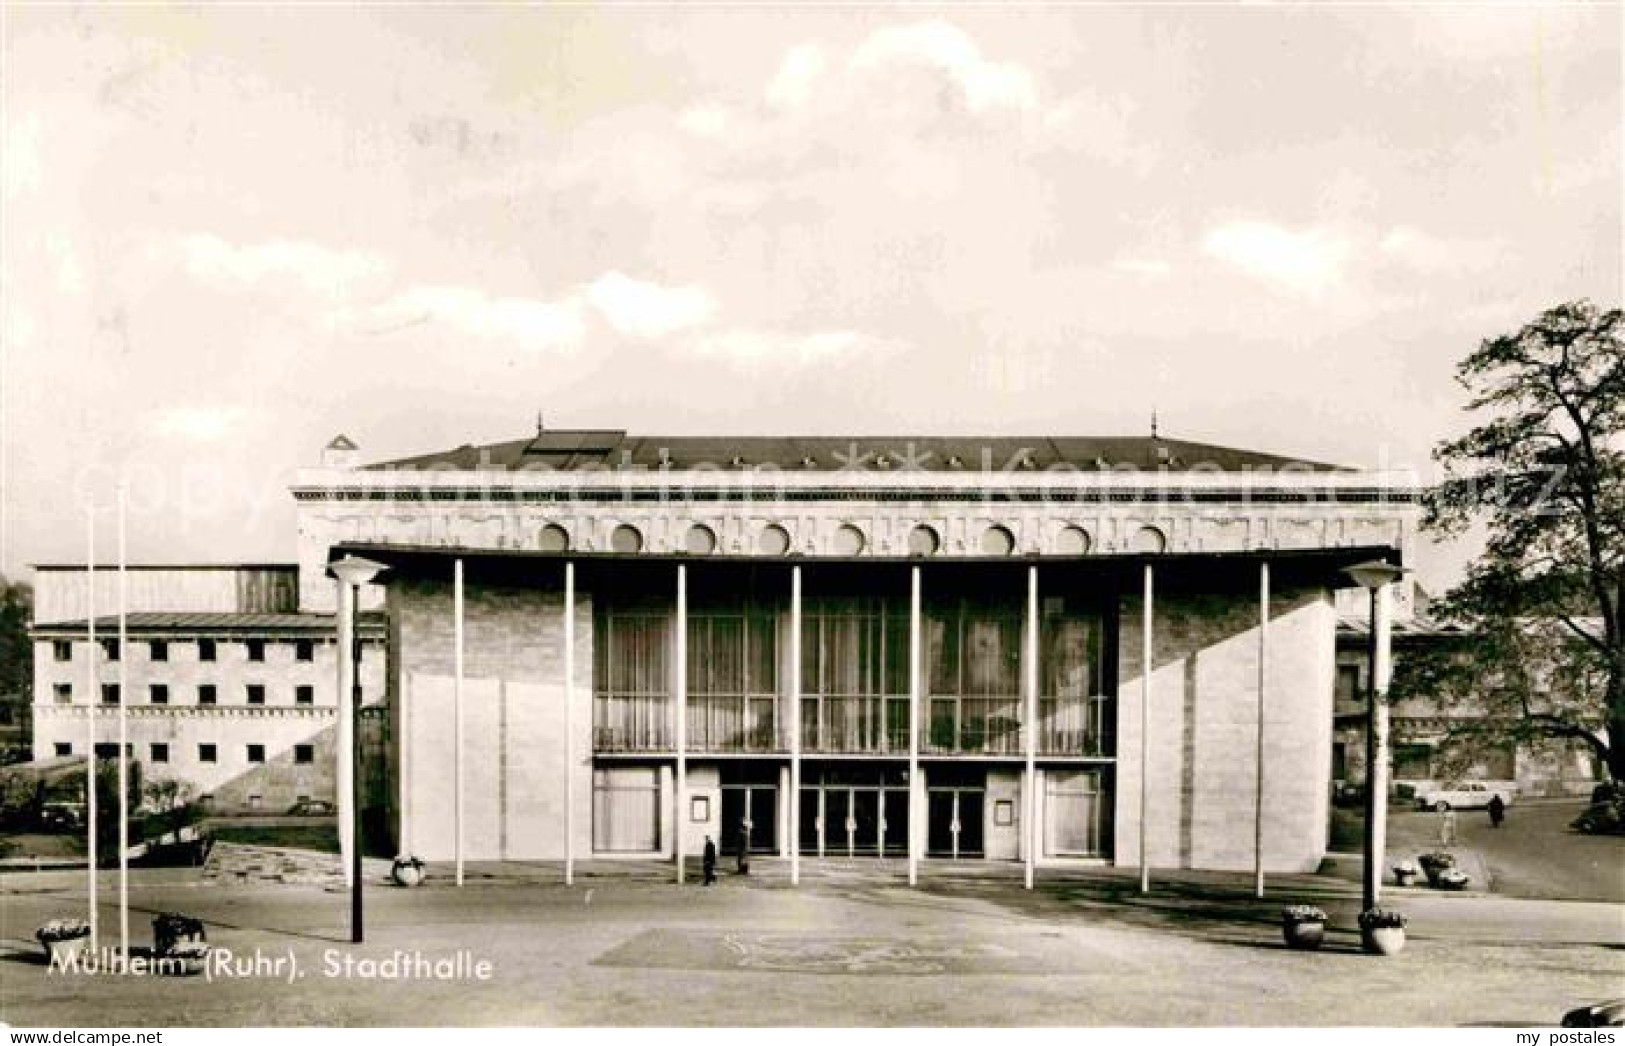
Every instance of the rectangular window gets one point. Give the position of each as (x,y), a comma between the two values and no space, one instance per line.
(626,810)
(64,748)
(304,695)
(1075,706)
(256,753)
(304,754)
(64,693)
(632,679)
(109,693)
(854,674)
(205,650)
(160,753)
(110,648)
(205,753)
(1348,684)
(206,694)
(973,668)
(159,694)
(256,693)
(733,678)
(158,650)
(107,750)
(62,649)
(256,649)
(304,650)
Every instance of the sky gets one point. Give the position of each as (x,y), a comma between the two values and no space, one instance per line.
(230,233)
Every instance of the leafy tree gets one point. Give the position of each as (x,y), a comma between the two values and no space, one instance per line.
(1543,471)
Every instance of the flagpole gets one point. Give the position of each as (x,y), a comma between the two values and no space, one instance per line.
(93,677)
(123,738)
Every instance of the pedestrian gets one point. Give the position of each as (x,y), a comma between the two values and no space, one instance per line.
(708,861)
(744,847)
(1498,811)
(1447,828)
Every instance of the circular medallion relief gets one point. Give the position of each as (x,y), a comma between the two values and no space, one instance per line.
(923,541)
(849,541)
(700,540)
(1072,541)
(998,541)
(773,541)
(553,538)
(1151,541)
(626,539)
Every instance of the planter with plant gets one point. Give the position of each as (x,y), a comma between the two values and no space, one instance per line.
(62,939)
(1382,931)
(1434,864)
(1303,926)
(407,870)
(1452,879)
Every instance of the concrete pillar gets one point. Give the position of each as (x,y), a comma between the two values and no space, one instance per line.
(457,714)
(794,830)
(1377,753)
(1146,667)
(1263,675)
(681,791)
(569,723)
(916,796)
(1029,786)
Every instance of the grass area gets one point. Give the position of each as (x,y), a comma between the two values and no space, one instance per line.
(322,837)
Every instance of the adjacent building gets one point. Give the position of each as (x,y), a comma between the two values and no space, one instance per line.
(1036,649)
(226,686)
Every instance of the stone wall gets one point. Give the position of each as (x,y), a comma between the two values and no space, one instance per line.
(1204,719)
(513,720)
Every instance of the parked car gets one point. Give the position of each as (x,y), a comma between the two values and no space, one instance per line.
(312,808)
(1610,1014)
(1462,795)
(62,816)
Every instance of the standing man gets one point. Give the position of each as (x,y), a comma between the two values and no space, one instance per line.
(744,847)
(1498,811)
(708,861)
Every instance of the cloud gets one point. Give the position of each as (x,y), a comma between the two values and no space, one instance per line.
(792,85)
(648,310)
(708,121)
(1307,262)
(198,423)
(766,346)
(1151,268)
(531,322)
(946,48)
(1429,254)
(324,269)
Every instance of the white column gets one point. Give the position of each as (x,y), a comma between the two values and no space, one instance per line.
(345,750)
(914,686)
(681,820)
(1145,728)
(1377,772)
(92,695)
(569,723)
(123,735)
(795,725)
(1029,788)
(1263,676)
(457,715)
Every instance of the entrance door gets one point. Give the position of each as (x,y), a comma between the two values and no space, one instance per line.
(954,827)
(759,803)
(894,837)
(837,811)
(865,820)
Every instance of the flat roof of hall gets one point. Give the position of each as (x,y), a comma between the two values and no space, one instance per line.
(613,448)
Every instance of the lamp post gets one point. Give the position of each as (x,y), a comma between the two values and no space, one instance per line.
(352,572)
(1375,576)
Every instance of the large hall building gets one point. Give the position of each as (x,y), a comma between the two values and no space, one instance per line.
(1045,649)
